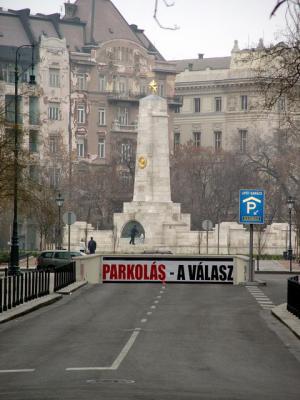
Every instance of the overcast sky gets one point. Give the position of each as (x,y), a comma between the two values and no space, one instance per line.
(206,26)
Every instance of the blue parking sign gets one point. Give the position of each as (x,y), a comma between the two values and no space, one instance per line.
(252,206)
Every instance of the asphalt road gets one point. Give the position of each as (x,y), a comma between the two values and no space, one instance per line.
(143,341)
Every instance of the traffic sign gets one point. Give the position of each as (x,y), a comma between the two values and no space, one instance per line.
(252,206)
(69,218)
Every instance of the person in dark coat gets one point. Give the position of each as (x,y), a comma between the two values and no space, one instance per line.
(133,234)
(92,246)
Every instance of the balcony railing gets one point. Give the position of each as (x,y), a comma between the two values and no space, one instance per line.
(125,96)
(117,126)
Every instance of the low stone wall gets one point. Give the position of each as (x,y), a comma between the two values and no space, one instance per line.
(229,238)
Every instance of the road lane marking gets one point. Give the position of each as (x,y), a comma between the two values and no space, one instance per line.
(115,365)
(149,312)
(161,291)
(125,350)
(156,301)
(143,320)
(12,371)
(153,307)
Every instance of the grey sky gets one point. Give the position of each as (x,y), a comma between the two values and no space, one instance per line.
(206,26)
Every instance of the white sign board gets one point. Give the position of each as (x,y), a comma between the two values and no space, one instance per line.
(169,269)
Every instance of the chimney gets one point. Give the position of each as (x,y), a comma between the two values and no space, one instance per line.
(70,10)
(200,56)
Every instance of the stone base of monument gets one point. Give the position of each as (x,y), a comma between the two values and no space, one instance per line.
(164,227)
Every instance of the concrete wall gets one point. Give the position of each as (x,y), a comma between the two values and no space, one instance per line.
(233,239)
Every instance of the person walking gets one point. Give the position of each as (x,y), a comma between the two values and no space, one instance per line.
(133,234)
(92,246)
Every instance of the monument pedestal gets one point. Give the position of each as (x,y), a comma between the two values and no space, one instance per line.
(162,222)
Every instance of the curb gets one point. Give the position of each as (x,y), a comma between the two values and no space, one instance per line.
(287,318)
(254,283)
(29,307)
(71,288)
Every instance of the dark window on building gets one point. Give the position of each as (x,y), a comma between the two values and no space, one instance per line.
(243,133)
(197,104)
(10,109)
(197,139)
(218,104)
(176,140)
(244,103)
(33,141)
(218,140)
(33,110)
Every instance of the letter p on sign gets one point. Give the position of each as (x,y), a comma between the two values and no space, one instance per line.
(250,206)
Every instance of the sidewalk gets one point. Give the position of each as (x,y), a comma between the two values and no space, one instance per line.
(280,266)
(40,302)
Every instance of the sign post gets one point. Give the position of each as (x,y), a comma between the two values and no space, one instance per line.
(69,219)
(252,211)
(207,225)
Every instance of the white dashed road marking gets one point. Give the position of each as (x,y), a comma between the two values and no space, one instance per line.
(260,297)
(13,371)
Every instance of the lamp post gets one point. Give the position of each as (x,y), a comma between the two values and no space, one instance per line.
(290,203)
(14,250)
(59,201)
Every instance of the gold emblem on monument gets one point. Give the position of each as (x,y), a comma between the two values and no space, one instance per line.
(153,86)
(142,161)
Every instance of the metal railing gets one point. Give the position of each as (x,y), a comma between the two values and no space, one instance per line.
(293,295)
(64,276)
(21,288)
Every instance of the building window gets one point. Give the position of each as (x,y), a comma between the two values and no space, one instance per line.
(126,152)
(243,140)
(102,83)
(54,111)
(33,110)
(101,116)
(101,148)
(197,105)
(33,141)
(244,103)
(54,80)
(281,104)
(123,115)
(54,176)
(34,173)
(218,104)
(125,177)
(80,114)
(122,85)
(10,109)
(177,109)
(53,144)
(197,139)
(218,140)
(81,81)
(176,140)
(161,89)
(80,147)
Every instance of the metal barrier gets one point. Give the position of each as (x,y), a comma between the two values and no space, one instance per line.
(293,296)
(64,276)
(21,288)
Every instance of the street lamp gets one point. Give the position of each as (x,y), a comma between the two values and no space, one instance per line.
(290,204)
(59,201)
(14,250)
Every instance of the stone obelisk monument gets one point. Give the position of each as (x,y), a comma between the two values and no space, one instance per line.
(156,216)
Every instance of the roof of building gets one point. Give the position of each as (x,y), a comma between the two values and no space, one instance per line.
(87,22)
(104,22)
(202,64)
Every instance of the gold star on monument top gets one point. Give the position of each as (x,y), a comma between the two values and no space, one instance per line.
(153,86)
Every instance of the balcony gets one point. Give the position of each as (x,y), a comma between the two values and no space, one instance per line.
(128,96)
(175,101)
(117,127)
